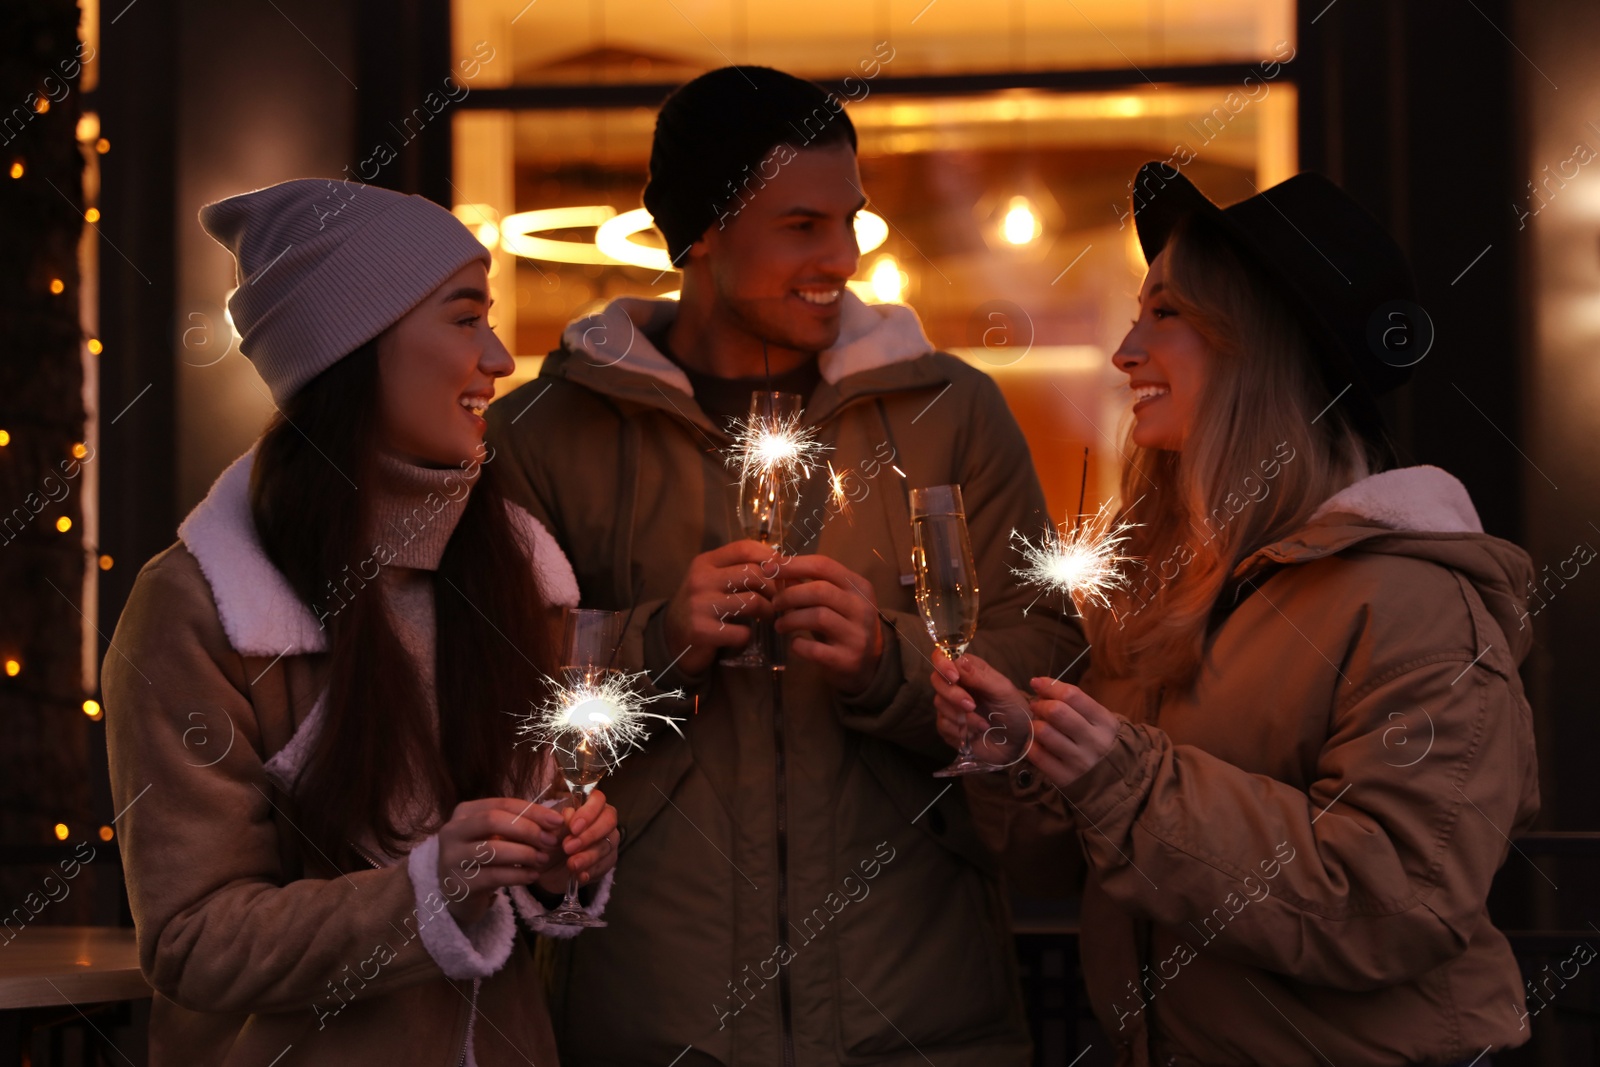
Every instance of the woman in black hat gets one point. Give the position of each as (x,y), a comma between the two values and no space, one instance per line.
(1301,747)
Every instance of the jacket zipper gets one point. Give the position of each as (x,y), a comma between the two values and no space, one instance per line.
(785,1004)
(466,1041)
(370,862)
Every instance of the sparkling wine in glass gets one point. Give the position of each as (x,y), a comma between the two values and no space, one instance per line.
(947,587)
(768,495)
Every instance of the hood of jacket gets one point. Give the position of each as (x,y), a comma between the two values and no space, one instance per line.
(260,611)
(611,352)
(1425,513)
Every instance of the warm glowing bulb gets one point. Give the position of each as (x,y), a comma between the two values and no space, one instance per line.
(5,438)
(61,831)
(41,105)
(102,146)
(105,563)
(79,450)
(16,170)
(13,667)
(92,215)
(95,347)
(91,708)
(887,280)
(57,285)
(1021,225)
(88,126)
(63,524)
(106,833)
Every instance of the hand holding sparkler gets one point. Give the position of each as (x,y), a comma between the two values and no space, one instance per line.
(490,843)
(595,715)
(1073,732)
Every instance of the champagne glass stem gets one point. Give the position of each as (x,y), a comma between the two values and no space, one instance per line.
(964,750)
(570,902)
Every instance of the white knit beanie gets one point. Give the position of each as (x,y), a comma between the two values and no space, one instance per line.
(325,266)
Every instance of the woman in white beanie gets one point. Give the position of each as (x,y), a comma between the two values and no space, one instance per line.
(311,699)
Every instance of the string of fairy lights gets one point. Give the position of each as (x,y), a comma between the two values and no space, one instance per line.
(90,139)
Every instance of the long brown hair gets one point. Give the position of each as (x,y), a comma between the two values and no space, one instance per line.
(1253,467)
(376,754)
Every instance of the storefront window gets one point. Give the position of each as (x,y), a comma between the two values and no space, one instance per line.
(1004,213)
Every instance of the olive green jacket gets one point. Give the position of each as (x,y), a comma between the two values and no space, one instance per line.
(794,886)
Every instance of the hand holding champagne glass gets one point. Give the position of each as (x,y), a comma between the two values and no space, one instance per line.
(947,587)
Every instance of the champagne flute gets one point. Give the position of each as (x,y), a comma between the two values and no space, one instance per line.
(589,640)
(768,495)
(947,587)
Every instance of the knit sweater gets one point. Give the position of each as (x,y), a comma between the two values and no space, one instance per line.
(413,512)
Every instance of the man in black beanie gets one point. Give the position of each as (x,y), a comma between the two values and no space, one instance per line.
(795,887)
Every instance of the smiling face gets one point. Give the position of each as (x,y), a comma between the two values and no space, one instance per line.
(778,266)
(1166,362)
(436,372)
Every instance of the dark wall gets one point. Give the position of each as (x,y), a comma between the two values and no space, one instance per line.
(1412,109)
(1554,207)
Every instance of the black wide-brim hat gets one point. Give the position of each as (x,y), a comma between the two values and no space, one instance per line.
(1336,267)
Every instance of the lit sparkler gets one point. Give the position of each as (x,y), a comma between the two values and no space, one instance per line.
(836,491)
(609,712)
(1082,561)
(775,448)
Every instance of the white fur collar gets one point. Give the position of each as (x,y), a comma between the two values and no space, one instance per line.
(870,336)
(260,611)
(1422,499)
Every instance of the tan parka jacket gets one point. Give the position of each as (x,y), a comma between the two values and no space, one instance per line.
(258,949)
(794,886)
(1289,864)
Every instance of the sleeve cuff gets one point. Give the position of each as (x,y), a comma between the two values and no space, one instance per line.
(533,912)
(658,660)
(886,681)
(1118,776)
(474,951)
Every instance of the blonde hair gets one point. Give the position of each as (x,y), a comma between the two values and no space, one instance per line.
(1252,469)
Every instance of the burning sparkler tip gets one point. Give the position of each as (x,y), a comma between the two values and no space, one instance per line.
(1083,561)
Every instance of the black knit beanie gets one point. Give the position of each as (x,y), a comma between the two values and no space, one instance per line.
(713,133)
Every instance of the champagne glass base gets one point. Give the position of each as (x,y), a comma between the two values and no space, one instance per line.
(751,655)
(965,765)
(757,652)
(564,916)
